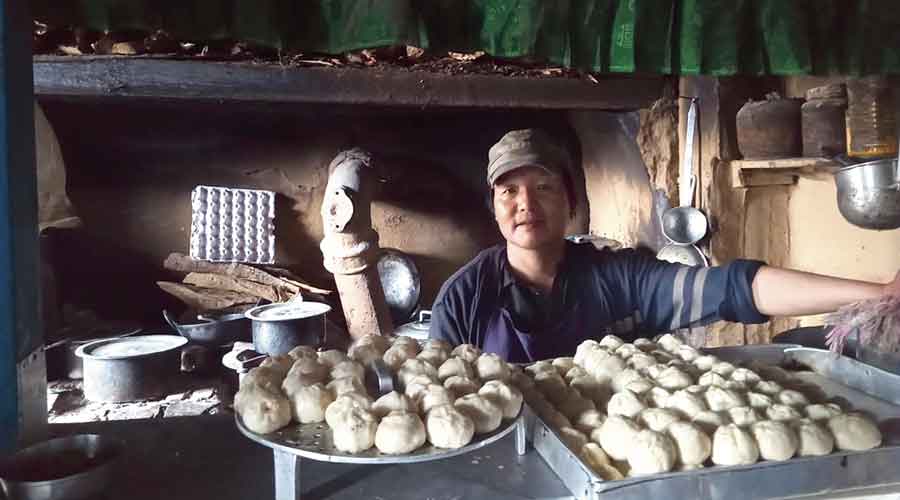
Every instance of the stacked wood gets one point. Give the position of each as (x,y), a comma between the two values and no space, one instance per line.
(214,286)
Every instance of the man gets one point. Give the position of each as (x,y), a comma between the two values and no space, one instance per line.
(539,296)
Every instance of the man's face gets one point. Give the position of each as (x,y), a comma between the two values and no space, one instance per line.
(531,207)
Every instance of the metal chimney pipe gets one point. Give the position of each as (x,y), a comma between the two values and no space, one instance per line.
(350,244)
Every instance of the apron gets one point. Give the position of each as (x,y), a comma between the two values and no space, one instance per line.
(504,339)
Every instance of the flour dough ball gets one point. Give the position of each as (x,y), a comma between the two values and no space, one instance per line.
(563,364)
(455,367)
(345,403)
(640,385)
(673,379)
(721,399)
(640,361)
(625,403)
(626,351)
(651,453)
(662,356)
(645,345)
(776,440)
(332,357)
(467,352)
(791,397)
(551,385)
(486,414)
(592,389)
(400,432)
(711,379)
(462,385)
(616,436)
(658,397)
(404,340)
(397,354)
(434,355)
(262,411)
(623,378)
(746,376)
(554,419)
(349,369)
(611,342)
(768,387)
(709,421)
(435,395)
(490,366)
(437,344)
(655,370)
(343,385)
(308,403)
(575,372)
(686,403)
(265,378)
(447,427)
(589,420)
(594,456)
(723,368)
(603,366)
(308,369)
(782,412)
(574,404)
(759,400)
(697,389)
(365,354)
(583,349)
(354,430)
(670,342)
(687,353)
(392,401)
(303,351)
(822,411)
(506,396)
(657,419)
(734,385)
(416,387)
(572,438)
(813,440)
(733,445)
(379,342)
(282,364)
(541,366)
(743,416)
(705,363)
(522,381)
(413,367)
(854,432)
(693,445)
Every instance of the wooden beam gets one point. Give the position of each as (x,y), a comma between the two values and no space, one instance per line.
(160,78)
(783,163)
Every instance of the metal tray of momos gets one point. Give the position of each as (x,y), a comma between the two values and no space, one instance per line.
(822,376)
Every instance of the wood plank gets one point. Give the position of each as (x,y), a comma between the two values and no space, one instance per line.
(785,163)
(212,81)
(222,282)
(743,178)
(205,299)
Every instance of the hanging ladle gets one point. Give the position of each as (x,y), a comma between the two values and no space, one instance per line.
(685,225)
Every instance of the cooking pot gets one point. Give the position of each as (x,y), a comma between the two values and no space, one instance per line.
(212,330)
(868,194)
(416,329)
(278,328)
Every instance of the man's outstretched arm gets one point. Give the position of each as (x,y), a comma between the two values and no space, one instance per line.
(785,292)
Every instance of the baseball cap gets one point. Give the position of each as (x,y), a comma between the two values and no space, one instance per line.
(526,147)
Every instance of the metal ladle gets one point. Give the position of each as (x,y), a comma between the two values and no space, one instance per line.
(685,225)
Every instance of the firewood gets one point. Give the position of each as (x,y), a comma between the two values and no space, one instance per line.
(223,282)
(205,299)
(184,263)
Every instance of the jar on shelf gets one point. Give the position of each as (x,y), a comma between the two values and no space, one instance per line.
(871,118)
(822,121)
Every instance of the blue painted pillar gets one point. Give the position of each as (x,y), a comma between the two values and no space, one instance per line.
(20,335)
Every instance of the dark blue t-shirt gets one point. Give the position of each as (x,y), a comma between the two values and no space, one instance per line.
(623,292)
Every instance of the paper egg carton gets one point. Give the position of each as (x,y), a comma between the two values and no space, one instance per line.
(232,225)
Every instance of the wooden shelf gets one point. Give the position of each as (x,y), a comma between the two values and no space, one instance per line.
(777,172)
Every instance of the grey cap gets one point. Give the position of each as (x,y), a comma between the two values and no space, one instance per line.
(522,148)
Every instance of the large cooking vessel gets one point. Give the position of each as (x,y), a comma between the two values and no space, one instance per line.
(868,194)
(278,328)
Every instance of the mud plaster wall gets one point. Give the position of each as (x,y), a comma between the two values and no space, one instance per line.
(132,166)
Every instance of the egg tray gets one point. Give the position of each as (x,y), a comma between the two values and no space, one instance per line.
(232,225)
(860,386)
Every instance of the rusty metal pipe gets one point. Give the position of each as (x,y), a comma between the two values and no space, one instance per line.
(350,244)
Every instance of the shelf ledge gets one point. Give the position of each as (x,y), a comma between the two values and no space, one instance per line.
(776,172)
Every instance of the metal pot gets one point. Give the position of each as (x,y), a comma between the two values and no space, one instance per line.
(416,329)
(213,330)
(868,194)
(130,368)
(278,328)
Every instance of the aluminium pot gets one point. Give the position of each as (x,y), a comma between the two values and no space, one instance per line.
(130,368)
(278,328)
(868,194)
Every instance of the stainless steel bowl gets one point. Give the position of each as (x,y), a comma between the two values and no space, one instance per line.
(75,467)
(868,194)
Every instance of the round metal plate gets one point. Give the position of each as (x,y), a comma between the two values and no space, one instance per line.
(688,255)
(315,441)
(400,281)
(130,347)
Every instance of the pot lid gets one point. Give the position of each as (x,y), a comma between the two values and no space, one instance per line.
(130,347)
(287,311)
(400,282)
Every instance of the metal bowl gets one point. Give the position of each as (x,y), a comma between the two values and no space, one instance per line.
(868,194)
(75,467)
(684,225)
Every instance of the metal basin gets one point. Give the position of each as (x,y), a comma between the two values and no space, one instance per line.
(75,467)
(868,194)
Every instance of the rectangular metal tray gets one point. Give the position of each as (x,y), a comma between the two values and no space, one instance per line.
(866,388)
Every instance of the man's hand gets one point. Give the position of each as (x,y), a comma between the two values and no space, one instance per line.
(893,288)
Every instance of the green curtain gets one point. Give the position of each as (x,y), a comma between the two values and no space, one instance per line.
(716,37)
